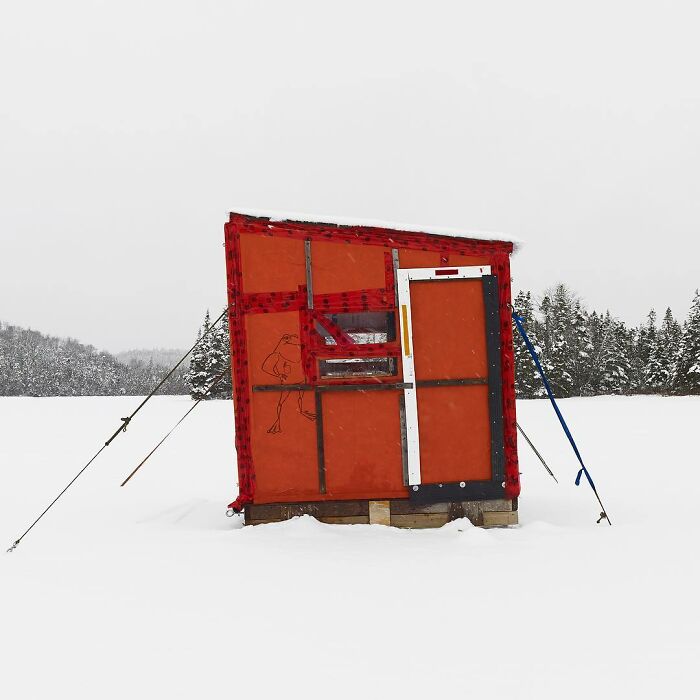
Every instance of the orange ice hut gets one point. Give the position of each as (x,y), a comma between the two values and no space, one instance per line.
(373,372)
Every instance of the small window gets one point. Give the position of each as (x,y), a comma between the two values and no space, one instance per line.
(358,367)
(365,327)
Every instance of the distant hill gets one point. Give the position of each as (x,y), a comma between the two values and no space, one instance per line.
(163,357)
(34,364)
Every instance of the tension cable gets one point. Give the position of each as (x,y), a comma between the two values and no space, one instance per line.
(121,429)
(534,449)
(170,432)
(582,471)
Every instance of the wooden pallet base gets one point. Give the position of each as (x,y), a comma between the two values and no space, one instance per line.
(397,512)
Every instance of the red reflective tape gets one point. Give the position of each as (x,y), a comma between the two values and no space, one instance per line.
(337,333)
(368,235)
(389,277)
(447,272)
(358,300)
(306,335)
(273,301)
(239,367)
(501,268)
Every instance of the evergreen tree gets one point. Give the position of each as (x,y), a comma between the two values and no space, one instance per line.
(664,354)
(645,366)
(199,376)
(613,364)
(558,319)
(210,359)
(582,348)
(626,338)
(528,384)
(545,330)
(220,361)
(686,378)
(226,388)
(591,384)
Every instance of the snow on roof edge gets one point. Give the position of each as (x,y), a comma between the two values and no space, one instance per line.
(375,223)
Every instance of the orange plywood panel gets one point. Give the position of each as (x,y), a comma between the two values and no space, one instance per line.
(274,353)
(283,443)
(454,430)
(418,258)
(272,264)
(341,267)
(362,444)
(449,332)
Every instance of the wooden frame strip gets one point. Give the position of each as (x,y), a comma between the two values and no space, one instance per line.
(471,381)
(320,449)
(309,278)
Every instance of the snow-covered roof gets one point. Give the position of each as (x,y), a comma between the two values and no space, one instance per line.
(374,223)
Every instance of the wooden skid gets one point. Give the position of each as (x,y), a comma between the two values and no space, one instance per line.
(397,512)
(499,519)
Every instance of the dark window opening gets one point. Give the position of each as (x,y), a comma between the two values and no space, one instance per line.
(363,328)
(358,367)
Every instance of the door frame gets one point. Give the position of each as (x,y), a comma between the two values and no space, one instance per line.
(404,277)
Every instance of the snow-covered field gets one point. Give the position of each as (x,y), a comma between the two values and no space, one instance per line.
(151,592)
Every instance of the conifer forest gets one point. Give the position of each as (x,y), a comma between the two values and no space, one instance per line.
(590,353)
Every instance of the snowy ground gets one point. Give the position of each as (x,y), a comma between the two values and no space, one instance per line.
(150,592)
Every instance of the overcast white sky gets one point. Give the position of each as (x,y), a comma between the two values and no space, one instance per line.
(128,130)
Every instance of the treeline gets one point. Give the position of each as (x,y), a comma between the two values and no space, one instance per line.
(34,364)
(589,353)
(584,354)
